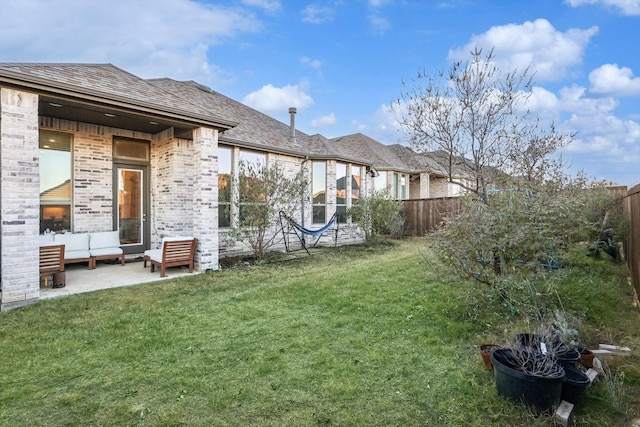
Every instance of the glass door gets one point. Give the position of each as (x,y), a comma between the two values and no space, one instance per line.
(131,215)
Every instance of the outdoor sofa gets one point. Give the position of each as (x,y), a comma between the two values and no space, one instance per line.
(87,247)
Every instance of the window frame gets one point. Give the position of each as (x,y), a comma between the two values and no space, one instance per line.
(65,206)
(318,208)
(224,208)
(341,208)
(252,157)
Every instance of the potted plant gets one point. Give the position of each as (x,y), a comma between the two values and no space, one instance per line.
(485,352)
(530,370)
(527,377)
(586,357)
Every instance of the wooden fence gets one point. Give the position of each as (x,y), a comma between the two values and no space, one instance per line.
(425,215)
(632,242)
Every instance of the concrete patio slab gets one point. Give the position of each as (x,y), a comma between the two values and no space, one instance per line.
(80,279)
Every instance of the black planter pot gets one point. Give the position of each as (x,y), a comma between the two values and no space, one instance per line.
(575,385)
(542,393)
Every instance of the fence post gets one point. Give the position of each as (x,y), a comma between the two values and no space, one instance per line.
(631,205)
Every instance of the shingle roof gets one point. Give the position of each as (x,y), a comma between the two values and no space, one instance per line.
(380,155)
(398,157)
(104,80)
(190,99)
(254,128)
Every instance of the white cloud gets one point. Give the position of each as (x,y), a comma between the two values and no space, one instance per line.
(611,80)
(545,103)
(550,53)
(313,63)
(382,125)
(324,121)
(604,143)
(379,24)
(168,41)
(627,7)
(315,14)
(274,100)
(269,6)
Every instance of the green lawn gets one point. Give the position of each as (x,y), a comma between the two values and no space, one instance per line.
(356,336)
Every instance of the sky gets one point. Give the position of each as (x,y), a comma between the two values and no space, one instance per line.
(342,63)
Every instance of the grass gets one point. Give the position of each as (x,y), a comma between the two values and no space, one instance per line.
(366,336)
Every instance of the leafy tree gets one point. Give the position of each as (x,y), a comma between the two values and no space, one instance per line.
(261,192)
(474,116)
(515,241)
(379,215)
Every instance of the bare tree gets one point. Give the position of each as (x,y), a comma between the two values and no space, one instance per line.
(475,117)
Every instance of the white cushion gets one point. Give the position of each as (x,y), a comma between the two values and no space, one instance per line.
(154,254)
(76,254)
(73,242)
(46,239)
(103,240)
(106,251)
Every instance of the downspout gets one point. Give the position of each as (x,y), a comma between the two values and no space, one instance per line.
(302,165)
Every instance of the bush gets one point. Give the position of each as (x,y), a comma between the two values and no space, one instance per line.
(512,240)
(379,215)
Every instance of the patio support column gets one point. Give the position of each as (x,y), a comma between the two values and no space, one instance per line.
(19,198)
(424,185)
(205,198)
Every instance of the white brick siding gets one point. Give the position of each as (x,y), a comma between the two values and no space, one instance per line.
(205,197)
(172,172)
(19,198)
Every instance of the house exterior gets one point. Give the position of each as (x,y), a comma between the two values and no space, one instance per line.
(403,172)
(90,147)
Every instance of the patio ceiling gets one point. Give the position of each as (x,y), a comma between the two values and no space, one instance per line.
(73,110)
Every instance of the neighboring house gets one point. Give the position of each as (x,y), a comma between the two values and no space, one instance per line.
(403,172)
(91,147)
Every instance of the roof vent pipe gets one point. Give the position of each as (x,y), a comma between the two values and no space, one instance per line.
(292,113)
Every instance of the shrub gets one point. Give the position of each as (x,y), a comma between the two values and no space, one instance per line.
(379,215)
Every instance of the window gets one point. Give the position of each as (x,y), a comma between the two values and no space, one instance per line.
(403,187)
(224,187)
(55,181)
(125,149)
(319,192)
(356,185)
(380,182)
(252,192)
(396,181)
(341,192)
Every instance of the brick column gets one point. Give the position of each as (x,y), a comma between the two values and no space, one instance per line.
(425,179)
(19,198)
(205,197)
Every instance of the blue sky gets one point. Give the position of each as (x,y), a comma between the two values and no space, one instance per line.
(342,62)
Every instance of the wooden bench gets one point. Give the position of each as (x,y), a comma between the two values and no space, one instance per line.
(51,261)
(174,253)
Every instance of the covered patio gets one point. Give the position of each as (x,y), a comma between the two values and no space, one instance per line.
(80,279)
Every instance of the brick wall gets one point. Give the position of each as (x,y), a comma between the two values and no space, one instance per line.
(19,198)
(92,171)
(205,197)
(172,170)
(439,187)
(348,234)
